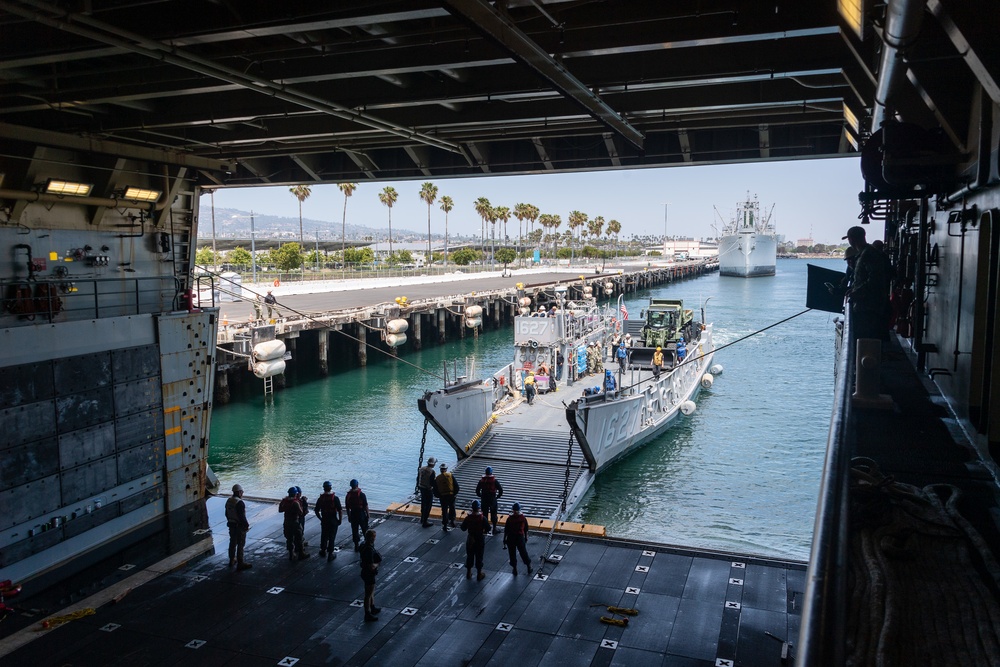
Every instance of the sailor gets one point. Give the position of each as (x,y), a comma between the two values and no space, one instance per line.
(370,560)
(609,382)
(560,359)
(592,355)
(292,509)
(869,292)
(681,349)
(598,358)
(657,362)
(304,502)
(622,356)
(475,544)
(331,515)
(272,304)
(628,340)
(489,490)
(529,387)
(356,503)
(425,482)
(447,489)
(515,537)
(258,308)
(236,519)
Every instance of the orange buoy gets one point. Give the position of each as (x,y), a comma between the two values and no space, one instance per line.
(277,283)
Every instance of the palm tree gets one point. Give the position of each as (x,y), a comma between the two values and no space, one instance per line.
(428,192)
(483,209)
(348,190)
(522,212)
(301,193)
(576,220)
(388,196)
(503,215)
(613,228)
(446,205)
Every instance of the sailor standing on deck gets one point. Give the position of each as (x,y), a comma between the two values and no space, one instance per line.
(331,515)
(292,509)
(425,481)
(515,537)
(356,503)
(272,305)
(489,490)
(370,560)
(236,519)
(475,544)
(622,356)
(657,362)
(447,488)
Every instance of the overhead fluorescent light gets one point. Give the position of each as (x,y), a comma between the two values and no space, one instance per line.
(852,120)
(140,194)
(56,187)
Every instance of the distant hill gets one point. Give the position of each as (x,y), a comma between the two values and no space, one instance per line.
(235,224)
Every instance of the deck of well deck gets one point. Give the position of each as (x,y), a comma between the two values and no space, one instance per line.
(695,609)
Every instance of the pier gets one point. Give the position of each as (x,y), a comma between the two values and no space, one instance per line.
(433,310)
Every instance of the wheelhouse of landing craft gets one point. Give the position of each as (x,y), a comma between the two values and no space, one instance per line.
(117,116)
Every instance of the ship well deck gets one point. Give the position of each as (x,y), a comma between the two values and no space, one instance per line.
(693,608)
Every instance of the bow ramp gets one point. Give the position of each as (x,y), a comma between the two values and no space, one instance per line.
(530,464)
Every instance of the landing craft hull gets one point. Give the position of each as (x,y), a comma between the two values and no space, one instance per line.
(747,255)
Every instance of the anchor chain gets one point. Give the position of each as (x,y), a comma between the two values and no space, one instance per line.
(420,462)
(562,506)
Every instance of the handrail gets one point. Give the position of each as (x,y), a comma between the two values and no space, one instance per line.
(824,611)
(74,299)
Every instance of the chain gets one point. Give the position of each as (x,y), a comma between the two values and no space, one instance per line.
(420,462)
(562,506)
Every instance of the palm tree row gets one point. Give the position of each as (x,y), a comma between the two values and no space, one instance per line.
(578,223)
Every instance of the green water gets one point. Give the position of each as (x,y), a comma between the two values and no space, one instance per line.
(741,474)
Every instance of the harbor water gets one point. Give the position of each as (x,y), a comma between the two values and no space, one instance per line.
(741,474)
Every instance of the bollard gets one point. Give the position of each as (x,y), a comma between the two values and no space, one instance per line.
(868,363)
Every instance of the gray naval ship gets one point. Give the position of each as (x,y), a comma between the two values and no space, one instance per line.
(548,452)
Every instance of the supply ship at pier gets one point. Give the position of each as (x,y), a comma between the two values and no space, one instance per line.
(748,245)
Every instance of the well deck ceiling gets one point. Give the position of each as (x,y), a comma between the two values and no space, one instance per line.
(312,92)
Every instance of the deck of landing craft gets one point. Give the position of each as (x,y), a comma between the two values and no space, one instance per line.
(527,449)
(695,609)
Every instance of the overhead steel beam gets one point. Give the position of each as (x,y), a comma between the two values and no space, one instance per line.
(685,141)
(503,31)
(542,153)
(99,31)
(479,153)
(419,158)
(609,144)
(106,147)
(364,163)
(306,167)
(764,139)
(987,74)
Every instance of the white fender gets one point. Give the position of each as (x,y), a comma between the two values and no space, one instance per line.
(473,322)
(395,339)
(265,369)
(716,369)
(524,301)
(706,381)
(688,407)
(588,290)
(524,311)
(473,311)
(272,349)
(609,287)
(397,326)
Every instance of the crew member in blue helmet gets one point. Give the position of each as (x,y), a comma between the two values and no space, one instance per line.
(475,544)
(331,515)
(356,503)
(621,355)
(681,349)
(489,490)
(609,382)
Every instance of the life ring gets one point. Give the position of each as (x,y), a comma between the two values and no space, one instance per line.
(277,283)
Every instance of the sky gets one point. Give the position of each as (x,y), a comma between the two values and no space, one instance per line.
(815,199)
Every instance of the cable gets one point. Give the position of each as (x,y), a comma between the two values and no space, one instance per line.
(341,332)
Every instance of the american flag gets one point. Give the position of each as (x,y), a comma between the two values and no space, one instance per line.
(624,312)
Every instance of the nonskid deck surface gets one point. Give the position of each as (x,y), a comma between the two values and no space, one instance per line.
(694,608)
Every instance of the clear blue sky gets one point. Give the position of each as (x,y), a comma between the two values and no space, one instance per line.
(810,197)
